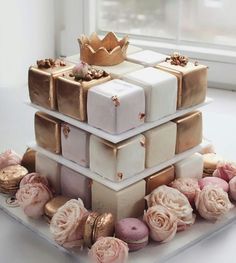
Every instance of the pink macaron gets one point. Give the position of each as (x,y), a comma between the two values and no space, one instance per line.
(215,181)
(132,231)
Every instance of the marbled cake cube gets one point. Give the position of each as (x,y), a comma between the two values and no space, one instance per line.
(191,167)
(42,82)
(76,185)
(147,58)
(189,131)
(160,144)
(160,91)
(117,161)
(128,202)
(49,168)
(75,144)
(47,132)
(192,82)
(116,106)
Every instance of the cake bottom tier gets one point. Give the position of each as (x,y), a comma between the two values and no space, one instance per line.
(160,252)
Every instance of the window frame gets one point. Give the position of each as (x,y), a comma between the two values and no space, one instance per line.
(218,56)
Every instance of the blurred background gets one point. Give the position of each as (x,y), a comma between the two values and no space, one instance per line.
(30,30)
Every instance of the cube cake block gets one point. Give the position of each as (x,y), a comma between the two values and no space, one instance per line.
(117,161)
(160,91)
(146,58)
(72,95)
(192,82)
(123,68)
(189,131)
(128,202)
(191,167)
(42,84)
(116,106)
(75,185)
(160,144)
(47,132)
(163,177)
(49,168)
(75,144)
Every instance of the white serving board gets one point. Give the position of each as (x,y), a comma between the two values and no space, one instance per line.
(154,252)
(125,135)
(115,185)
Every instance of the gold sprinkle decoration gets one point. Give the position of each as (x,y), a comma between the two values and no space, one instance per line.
(66,130)
(120,175)
(115,100)
(141,116)
(178,60)
(142,142)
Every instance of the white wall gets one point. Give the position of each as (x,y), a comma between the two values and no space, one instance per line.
(26,34)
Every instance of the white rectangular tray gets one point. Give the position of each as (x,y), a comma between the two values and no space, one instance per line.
(120,137)
(117,186)
(154,252)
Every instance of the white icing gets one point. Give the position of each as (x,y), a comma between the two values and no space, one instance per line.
(160,91)
(147,58)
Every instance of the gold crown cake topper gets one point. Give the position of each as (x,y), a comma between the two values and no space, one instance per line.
(108,51)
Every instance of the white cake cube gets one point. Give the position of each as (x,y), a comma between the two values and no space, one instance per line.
(147,58)
(128,202)
(118,70)
(75,144)
(117,161)
(116,106)
(191,167)
(76,185)
(49,168)
(160,91)
(133,49)
(160,144)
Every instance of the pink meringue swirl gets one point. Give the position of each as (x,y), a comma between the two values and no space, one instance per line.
(67,224)
(33,178)
(225,170)
(175,201)
(8,158)
(32,198)
(109,250)
(187,186)
(162,223)
(212,202)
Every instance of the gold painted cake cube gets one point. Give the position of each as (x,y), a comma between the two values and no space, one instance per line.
(41,81)
(189,131)
(48,132)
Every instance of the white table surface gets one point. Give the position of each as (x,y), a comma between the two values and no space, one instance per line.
(20,245)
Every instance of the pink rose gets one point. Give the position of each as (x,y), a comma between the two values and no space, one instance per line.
(232,188)
(187,186)
(80,70)
(212,202)
(8,158)
(162,223)
(175,201)
(109,250)
(32,198)
(225,171)
(33,178)
(67,224)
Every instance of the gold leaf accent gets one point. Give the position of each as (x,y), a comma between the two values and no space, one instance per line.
(116,100)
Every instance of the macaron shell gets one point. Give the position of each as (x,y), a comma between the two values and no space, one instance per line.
(132,231)
(213,181)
